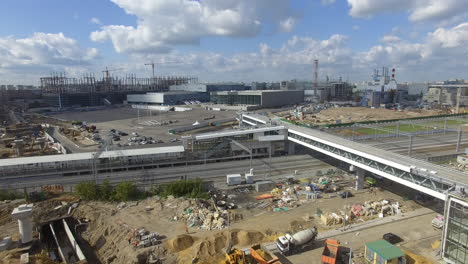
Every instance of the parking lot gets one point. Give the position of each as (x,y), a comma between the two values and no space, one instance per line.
(144,128)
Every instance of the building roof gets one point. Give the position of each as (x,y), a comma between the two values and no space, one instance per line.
(89,155)
(385,250)
(256,92)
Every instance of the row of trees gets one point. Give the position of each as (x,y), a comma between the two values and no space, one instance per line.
(124,191)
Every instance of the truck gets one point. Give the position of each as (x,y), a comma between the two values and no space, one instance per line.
(290,244)
(330,251)
(263,256)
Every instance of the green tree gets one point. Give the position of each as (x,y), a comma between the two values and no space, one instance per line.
(107,191)
(126,191)
(88,190)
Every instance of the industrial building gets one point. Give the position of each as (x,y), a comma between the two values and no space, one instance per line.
(447,94)
(455,235)
(167,98)
(264,99)
(323,91)
(23,92)
(61,91)
(383,89)
(210,87)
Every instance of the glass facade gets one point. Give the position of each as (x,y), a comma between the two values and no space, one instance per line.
(456,234)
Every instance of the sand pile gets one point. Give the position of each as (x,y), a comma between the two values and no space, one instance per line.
(211,249)
(180,243)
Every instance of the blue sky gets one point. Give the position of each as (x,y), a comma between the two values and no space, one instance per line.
(234,40)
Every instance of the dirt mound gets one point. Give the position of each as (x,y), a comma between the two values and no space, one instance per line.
(249,237)
(180,243)
(211,249)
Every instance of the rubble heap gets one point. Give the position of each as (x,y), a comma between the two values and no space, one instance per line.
(360,212)
(201,214)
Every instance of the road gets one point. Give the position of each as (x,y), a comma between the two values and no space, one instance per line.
(66,142)
(285,165)
(415,230)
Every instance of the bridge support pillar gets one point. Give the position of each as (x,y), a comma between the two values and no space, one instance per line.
(360,175)
(291,148)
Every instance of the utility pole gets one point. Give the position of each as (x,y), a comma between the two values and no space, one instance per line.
(460,132)
(410,148)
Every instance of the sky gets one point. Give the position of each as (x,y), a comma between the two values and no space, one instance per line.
(234,40)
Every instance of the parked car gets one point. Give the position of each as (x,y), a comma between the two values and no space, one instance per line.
(123,134)
(392,238)
(345,194)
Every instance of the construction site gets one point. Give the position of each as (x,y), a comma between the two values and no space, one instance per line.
(243,224)
(89,90)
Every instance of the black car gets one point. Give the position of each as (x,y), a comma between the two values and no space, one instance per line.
(345,194)
(392,238)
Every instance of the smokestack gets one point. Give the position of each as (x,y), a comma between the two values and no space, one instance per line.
(315,77)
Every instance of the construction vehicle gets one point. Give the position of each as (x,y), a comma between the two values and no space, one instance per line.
(330,251)
(290,244)
(235,256)
(263,256)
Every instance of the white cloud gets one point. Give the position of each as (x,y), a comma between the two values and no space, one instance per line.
(328,2)
(288,24)
(41,53)
(356,27)
(95,20)
(441,54)
(164,23)
(419,10)
(390,38)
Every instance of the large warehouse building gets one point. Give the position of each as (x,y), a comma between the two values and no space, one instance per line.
(210,87)
(167,98)
(264,99)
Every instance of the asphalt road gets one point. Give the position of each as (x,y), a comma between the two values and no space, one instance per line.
(281,166)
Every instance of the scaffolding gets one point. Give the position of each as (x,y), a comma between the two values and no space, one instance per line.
(58,83)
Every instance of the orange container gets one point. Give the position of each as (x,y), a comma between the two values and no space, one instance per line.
(330,251)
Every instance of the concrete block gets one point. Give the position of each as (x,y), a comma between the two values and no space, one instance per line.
(5,243)
(264,186)
(24,258)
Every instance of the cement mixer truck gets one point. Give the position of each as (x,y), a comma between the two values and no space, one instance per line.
(290,244)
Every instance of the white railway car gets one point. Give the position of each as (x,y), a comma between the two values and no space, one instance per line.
(83,161)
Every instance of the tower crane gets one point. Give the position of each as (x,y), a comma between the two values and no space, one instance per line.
(107,74)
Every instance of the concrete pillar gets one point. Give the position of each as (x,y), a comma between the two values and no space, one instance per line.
(291,148)
(22,213)
(360,175)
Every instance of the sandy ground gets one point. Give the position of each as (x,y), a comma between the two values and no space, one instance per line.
(110,227)
(355,114)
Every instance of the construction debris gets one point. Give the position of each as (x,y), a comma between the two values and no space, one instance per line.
(356,212)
